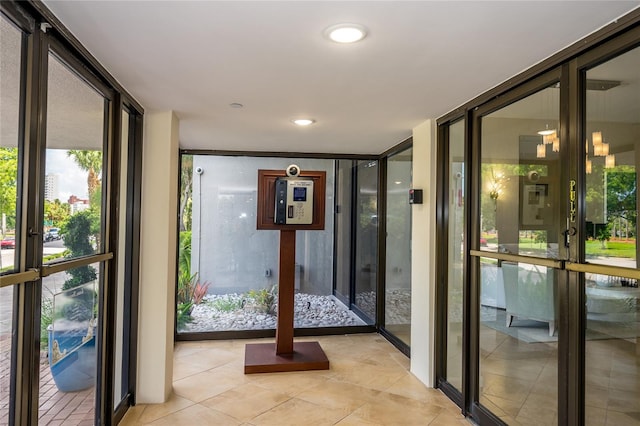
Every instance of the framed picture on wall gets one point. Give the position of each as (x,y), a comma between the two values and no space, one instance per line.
(533,199)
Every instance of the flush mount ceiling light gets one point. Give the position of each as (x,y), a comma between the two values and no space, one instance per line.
(346,33)
(303,122)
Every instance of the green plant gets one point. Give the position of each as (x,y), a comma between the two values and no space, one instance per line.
(227,303)
(77,232)
(264,299)
(46,319)
(604,234)
(183,314)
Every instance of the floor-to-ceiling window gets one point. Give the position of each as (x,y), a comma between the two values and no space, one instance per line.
(397,282)
(228,271)
(612,297)
(549,315)
(453,290)
(59,174)
(10,158)
(519,215)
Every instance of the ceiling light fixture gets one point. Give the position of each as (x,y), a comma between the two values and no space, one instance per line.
(346,33)
(303,122)
(236,105)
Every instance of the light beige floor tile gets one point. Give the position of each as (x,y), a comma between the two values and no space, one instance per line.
(615,418)
(203,386)
(296,412)
(131,418)
(595,416)
(209,358)
(183,369)
(196,415)
(337,395)
(367,374)
(390,409)
(155,411)
(449,419)
(501,406)
(409,386)
(246,402)
(289,383)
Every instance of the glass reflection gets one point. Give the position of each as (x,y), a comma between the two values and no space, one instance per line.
(6,343)
(520,175)
(10,39)
(367,238)
(611,159)
(397,303)
(68,349)
(612,356)
(73,176)
(518,342)
(120,383)
(455,255)
(228,271)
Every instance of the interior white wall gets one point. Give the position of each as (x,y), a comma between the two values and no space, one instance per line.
(157,257)
(423,236)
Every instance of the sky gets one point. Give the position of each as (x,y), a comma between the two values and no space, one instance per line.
(71,179)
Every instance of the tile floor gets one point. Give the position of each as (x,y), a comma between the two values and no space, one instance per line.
(368,384)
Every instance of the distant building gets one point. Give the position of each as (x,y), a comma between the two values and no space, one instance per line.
(51,187)
(77,204)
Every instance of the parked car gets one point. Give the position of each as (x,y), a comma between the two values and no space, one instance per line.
(8,243)
(52,235)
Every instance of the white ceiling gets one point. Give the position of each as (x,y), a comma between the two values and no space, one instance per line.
(420,60)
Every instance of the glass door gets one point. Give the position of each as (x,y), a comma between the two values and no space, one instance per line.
(516,258)
(608,274)
(59,179)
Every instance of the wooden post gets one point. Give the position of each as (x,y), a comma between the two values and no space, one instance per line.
(286,290)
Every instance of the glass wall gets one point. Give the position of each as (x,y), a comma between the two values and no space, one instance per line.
(72,229)
(343,227)
(366,239)
(68,345)
(519,192)
(519,344)
(10,51)
(228,271)
(73,176)
(10,54)
(6,344)
(120,382)
(520,177)
(455,256)
(612,354)
(397,297)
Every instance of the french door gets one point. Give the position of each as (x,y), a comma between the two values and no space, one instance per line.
(539,301)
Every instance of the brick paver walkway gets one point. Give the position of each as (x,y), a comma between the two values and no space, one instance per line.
(56,408)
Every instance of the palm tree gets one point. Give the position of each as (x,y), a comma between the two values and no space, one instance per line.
(90,161)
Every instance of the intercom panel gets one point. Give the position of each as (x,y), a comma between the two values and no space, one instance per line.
(294,201)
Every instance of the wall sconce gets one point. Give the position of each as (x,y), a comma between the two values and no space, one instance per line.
(610,161)
(495,188)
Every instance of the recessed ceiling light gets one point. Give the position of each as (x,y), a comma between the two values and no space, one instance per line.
(346,33)
(236,105)
(303,122)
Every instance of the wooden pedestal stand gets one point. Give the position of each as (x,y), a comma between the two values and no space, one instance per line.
(284,354)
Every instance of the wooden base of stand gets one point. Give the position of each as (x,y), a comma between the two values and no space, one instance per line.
(262,358)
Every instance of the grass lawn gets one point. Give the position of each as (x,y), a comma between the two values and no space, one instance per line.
(623,249)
